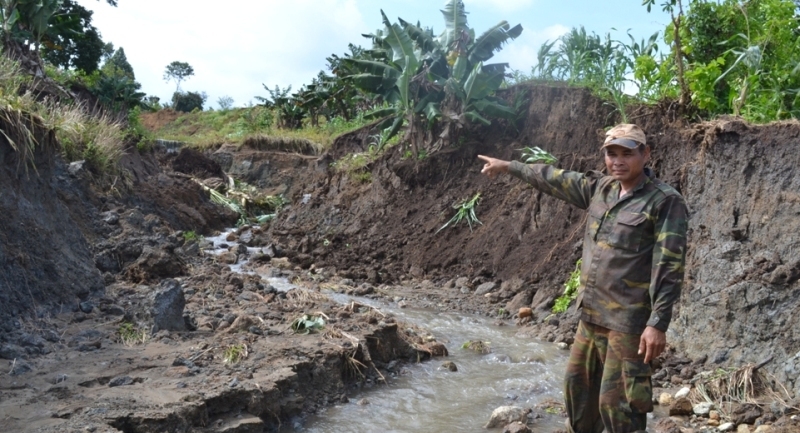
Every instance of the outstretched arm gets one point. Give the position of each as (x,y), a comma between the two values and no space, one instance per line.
(573,187)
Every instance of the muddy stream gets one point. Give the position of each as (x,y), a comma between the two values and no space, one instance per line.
(428,396)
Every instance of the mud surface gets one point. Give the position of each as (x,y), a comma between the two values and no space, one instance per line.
(88,265)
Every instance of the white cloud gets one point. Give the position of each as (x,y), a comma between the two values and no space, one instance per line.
(233,47)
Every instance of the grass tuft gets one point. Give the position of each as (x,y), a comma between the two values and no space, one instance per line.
(131,335)
(234,354)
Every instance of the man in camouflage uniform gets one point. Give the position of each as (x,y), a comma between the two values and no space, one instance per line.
(633,261)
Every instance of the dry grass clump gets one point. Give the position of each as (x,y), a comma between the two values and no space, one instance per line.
(96,139)
(99,140)
(305,296)
(745,385)
(283,144)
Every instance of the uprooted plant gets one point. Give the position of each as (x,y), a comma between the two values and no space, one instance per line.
(308,324)
(465,210)
(531,155)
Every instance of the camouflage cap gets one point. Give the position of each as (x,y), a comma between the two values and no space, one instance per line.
(625,134)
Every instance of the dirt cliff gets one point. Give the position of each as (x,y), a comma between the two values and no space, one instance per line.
(739,181)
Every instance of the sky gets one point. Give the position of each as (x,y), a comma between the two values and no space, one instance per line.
(237,46)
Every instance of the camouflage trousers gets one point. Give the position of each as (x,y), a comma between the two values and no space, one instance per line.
(607,384)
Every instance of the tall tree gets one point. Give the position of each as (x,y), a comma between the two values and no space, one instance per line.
(178,71)
(118,65)
(71,40)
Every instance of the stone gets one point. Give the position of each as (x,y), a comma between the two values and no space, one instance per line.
(746,414)
(168,305)
(229,258)
(485,288)
(450,365)
(11,351)
(436,349)
(416,272)
(764,429)
(665,425)
(281,263)
(680,406)
(562,346)
(462,282)
(703,409)
(19,367)
(110,218)
(684,392)
(76,167)
(728,426)
(520,300)
(665,399)
(506,415)
(525,313)
(513,286)
(465,290)
(86,307)
(120,381)
(516,427)
(714,415)
(742,428)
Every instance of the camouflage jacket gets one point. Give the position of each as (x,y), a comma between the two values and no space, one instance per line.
(634,248)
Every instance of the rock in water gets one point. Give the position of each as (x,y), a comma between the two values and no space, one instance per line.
(684,392)
(516,427)
(505,415)
(168,307)
(665,399)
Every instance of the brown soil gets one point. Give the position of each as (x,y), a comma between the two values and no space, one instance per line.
(159,119)
(114,249)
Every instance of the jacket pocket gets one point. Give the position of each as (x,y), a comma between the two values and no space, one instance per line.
(638,387)
(627,232)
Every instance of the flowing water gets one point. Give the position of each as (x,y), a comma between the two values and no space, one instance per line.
(427,397)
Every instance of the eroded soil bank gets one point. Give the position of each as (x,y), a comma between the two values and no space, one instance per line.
(83,263)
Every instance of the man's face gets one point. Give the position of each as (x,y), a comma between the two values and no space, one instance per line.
(626,165)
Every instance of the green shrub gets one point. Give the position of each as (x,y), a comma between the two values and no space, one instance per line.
(570,289)
(187,102)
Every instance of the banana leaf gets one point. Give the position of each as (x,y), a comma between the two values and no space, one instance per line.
(455,21)
(492,41)
(402,46)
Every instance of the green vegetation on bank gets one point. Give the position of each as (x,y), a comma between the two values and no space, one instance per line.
(204,129)
(570,289)
(723,57)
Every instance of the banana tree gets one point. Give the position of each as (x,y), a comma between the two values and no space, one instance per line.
(434,86)
(471,84)
(395,77)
